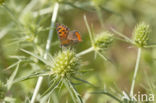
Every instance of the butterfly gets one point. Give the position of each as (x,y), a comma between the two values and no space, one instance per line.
(66,36)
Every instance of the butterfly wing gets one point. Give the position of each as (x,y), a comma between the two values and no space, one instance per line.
(74,36)
(67,37)
(63,32)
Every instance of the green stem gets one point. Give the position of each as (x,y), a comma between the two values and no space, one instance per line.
(40,79)
(85,51)
(90,50)
(135,72)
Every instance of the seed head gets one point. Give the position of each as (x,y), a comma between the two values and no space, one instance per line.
(65,63)
(141,34)
(104,40)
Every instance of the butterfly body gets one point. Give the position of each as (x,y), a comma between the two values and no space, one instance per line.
(66,36)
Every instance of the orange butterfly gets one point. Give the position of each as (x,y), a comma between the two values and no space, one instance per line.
(66,36)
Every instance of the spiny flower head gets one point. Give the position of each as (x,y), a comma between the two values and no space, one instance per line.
(141,34)
(104,40)
(3,90)
(65,63)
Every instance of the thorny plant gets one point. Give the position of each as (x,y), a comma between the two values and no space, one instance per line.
(140,40)
(63,67)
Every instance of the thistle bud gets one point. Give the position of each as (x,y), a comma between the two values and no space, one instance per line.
(3,90)
(104,40)
(141,34)
(65,63)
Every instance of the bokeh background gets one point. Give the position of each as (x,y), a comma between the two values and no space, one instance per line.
(102,15)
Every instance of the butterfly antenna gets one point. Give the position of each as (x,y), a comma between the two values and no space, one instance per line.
(57,24)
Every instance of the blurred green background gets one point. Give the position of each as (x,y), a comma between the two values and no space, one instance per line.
(102,15)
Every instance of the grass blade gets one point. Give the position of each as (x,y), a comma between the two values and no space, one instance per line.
(84,81)
(70,91)
(108,94)
(34,75)
(77,95)
(11,79)
(89,30)
(52,87)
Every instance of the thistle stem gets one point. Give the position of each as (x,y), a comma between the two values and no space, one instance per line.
(135,72)
(86,51)
(40,79)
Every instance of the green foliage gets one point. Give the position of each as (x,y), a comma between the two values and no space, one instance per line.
(88,72)
(99,2)
(3,90)
(2,1)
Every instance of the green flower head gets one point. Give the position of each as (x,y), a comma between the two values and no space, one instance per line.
(104,40)
(65,63)
(141,34)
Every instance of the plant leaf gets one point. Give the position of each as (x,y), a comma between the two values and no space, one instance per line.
(36,56)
